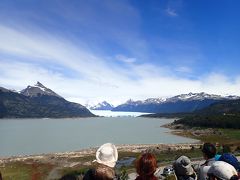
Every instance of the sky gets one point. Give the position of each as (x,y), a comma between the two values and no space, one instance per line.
(115,50)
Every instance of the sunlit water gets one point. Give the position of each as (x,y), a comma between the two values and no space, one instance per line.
(36,136)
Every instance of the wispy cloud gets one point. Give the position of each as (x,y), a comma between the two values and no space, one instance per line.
(125,59)
(171,12)
(105,58)
(94,79)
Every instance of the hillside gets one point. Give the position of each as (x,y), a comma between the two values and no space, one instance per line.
(231,107)
(225,114)
(39,105)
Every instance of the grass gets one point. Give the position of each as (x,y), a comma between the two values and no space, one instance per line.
(122,155)
(82,159)
(233,134)
(169,156)
(228,136)
(228,139)
(16,171)
(20,170)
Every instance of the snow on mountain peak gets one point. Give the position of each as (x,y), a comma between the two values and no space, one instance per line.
(194,96)
(182,97)
(154,100)
(37,89)
(40,86)
(102,106)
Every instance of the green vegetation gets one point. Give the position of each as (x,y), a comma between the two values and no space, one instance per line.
(213,121)
(20,170)
(165,157)
(224,114)
(167,115)
(232,133)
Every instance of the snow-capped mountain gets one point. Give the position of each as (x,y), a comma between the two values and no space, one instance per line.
(102,106)
(38,89)
(194,96)
(38,101)
(180,103)
(154,100)
(182,97)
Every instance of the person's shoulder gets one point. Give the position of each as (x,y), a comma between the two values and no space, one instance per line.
(89,175)
(210,161)
(138,178)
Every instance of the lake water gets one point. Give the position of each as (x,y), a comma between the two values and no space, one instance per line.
(36,136)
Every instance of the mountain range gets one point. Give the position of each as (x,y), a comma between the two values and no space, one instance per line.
(101,106)
(177,104)
(38,101)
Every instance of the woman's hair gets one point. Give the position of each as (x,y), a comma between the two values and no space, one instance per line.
(146,166)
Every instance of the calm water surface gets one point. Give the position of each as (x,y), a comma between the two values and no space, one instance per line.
(35,136)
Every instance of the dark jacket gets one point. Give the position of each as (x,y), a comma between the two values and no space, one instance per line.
(186,177)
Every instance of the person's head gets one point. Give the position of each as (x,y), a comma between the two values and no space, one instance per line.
(107,155)
(182,166)
(209,150)
(104,172)
(146,165)
(220,170)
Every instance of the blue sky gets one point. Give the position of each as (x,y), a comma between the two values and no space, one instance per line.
(95,50)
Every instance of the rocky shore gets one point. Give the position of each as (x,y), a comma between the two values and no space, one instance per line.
(54,165)
(183,130)
(136,148)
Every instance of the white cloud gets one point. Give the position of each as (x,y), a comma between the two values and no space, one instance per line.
(94,78)
(171,12)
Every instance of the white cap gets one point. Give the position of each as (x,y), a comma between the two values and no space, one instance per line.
(107,154)
(221,170)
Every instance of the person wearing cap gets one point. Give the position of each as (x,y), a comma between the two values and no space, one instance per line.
(106,158)
(209,151)
(230,159)
(220,170)
(146,166)
(183,169)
